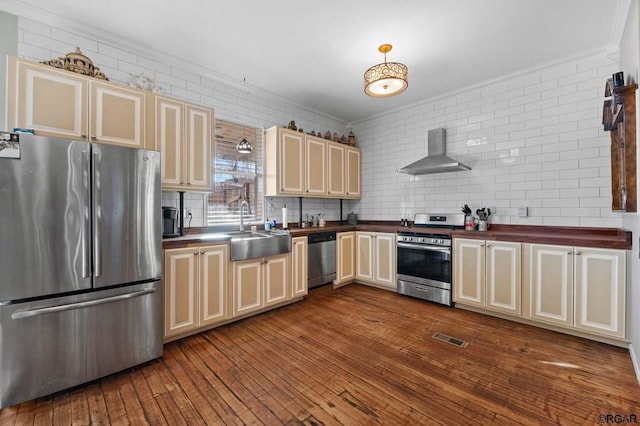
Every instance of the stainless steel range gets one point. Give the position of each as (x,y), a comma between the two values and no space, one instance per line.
(424,257)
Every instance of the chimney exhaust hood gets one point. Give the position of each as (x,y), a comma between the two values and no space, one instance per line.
(436,161)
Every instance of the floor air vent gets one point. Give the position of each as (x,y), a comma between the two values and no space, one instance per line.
(451,340)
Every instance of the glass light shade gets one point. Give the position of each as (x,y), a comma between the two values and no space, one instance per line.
(244,147)
(386,79)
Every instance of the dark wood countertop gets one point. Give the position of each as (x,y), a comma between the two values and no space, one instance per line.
(613,238)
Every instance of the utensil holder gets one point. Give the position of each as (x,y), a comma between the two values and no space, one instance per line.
(483,225)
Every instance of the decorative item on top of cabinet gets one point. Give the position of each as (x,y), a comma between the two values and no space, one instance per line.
(619,118)
(77,62)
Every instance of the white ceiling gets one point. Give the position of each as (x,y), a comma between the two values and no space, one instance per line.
(315,53)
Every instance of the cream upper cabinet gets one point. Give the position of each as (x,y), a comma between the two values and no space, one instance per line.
(299,266)
(376,258)
(183,136)
(195,288)
(258,283)
(600,284)
(284,162)
(345,257)
(117,115)
(488,274)
(315,167)
(308,166)
(353,172)
(551,284)
(336,168)
(60,103)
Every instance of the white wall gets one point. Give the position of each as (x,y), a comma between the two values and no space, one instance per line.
(532,140)
(629,63)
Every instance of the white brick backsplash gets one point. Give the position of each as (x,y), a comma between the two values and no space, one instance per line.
(533,139)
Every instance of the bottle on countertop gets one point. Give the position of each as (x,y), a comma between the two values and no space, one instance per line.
(285,221)
(267,225)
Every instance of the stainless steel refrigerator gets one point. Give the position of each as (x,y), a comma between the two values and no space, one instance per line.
(80,264)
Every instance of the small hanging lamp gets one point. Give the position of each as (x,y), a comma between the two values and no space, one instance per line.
(244,147)
(387,78)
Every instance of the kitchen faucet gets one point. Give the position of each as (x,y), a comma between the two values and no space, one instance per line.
(242,204)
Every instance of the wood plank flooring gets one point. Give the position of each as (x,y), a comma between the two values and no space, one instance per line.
(357,356)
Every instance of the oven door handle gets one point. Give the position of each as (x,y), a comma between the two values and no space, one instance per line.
(424,247)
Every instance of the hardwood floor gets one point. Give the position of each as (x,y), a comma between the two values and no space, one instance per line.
(357,356)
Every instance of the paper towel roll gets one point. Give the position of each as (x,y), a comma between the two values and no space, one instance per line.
(285,222)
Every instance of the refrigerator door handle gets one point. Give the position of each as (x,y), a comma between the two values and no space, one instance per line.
(61,308)
(86,216)
(97,216)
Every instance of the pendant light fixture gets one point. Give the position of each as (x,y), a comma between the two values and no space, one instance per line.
(244,147)
(387,78)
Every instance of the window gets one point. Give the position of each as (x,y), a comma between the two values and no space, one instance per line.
(237,177)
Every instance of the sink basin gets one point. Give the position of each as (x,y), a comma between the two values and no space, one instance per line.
(252,244)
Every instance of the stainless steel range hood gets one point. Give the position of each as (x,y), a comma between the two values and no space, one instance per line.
(436,161)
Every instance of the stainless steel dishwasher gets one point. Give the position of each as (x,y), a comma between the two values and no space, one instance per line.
(322,258)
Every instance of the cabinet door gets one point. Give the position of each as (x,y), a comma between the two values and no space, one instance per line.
(198,140)
(180,288)
(170,139)
(345,256)
(600,280)
(353,173)
(385,259)
(247,286)
(299,266)
(551,284)
(364,256)
(276,279)
(117,115)
(336,169)
(469,272)
(213,284)
(316,166)
(52,102)
(291,162)
(503,276)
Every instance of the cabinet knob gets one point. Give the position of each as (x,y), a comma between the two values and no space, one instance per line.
(569,253)
(188,183)
(83,135)
(93,138)
(488,245)
(307,190)
(578,253)
(196,252)
(281,189)
(181,183)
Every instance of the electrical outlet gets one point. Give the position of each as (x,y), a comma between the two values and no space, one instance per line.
(187,212)
(523,211)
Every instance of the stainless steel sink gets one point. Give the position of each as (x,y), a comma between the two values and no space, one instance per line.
(252,244)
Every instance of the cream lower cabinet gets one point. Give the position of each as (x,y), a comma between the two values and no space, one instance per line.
(299,266)
(578,287)
(63,104)
(258,283)
(376,258)
(182,134)
(487,274)
(195,288)
(345,257)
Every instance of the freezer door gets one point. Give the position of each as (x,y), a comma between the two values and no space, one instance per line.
(57,343)
(126,215)
(44,219)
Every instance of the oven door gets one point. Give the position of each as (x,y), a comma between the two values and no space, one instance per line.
(424,263)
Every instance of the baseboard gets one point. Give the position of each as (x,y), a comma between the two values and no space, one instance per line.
(634,360)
